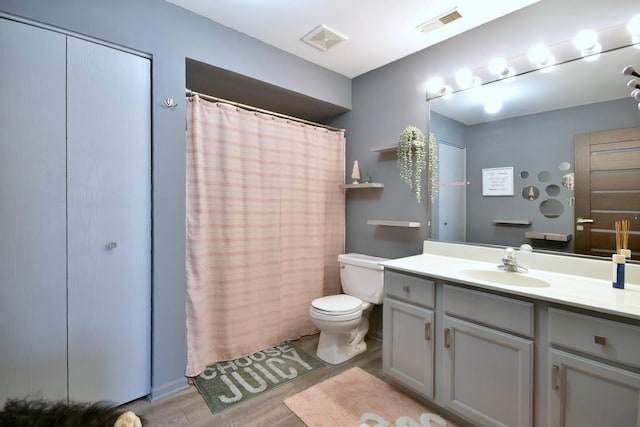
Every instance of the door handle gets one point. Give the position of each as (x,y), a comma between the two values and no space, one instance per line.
(583,220)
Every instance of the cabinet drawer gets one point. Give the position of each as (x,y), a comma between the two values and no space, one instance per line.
(604,338)
(413,289)
(492,310)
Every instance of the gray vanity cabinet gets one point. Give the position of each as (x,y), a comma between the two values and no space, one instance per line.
(408,325)
(476,360)
(594,365)
(488,358)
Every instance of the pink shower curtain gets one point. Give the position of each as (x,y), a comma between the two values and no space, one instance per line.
(265,225)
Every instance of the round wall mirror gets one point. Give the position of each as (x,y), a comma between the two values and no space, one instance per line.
(544,176)
(551,208)
(553,190)
(530,192)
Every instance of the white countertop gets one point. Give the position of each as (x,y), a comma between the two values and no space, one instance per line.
(571,281)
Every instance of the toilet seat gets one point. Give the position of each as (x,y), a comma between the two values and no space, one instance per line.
(336,307)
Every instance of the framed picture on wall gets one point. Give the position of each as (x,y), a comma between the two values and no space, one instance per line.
(497,181)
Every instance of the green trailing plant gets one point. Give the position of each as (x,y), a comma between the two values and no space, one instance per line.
(417,157)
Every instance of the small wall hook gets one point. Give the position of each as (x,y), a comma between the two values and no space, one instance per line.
(169,103)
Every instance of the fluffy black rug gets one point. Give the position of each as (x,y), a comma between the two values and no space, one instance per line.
(42,413)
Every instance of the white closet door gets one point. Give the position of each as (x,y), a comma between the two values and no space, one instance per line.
(109,223)
(33,306)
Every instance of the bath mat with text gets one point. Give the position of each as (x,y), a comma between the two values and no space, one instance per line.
(357,398)
(225,384)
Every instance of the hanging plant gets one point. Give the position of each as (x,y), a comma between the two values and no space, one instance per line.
(415,157)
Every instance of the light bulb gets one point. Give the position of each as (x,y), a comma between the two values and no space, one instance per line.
(540,55)
(634,26)
(585,40)
(464,78)
(492,106)
(500,68)
(634,30)
(435,84)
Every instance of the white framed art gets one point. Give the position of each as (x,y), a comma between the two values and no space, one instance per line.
(497,181)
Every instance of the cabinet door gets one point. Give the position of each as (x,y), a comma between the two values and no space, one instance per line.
(109,215)
(407,345)
(487,374)
(584,392)
(33,294)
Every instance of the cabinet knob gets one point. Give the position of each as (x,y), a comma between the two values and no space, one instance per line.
(600,340)
(427,331)
(447,338)
(407,290)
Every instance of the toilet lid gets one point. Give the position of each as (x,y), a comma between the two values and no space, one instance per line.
(337,304)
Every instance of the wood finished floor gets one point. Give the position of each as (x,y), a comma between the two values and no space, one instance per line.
(187,408)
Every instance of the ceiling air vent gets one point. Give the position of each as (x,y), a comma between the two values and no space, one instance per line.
(323,38)
(440,21)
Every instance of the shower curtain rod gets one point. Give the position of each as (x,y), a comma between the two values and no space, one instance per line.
(190,92)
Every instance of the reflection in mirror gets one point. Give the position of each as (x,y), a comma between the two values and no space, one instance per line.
(551,208)
(552,190)
(544,176)
(530,193)
(564,166)
(531,134)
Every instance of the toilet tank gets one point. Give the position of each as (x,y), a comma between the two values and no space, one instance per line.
(362,277)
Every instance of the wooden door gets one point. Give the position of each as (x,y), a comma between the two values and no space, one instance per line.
(607,189)
(109,222)
(33,296)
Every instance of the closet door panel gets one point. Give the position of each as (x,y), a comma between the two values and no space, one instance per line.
(109,220)
(33,348)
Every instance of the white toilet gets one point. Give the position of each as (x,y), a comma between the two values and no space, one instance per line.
(343,319)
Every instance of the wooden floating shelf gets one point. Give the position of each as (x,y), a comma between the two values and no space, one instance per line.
(555,237)
(409,224)
(363,185)
(511,222)
(385,149)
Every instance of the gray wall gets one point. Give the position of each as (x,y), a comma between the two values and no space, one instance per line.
(170,34)
(386,100)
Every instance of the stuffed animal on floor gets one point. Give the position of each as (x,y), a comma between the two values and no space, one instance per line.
(42,413)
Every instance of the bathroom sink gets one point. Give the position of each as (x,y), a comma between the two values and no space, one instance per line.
(502,277)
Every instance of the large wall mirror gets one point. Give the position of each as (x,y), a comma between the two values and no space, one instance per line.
(510,177)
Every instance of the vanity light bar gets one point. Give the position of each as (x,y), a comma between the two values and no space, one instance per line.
(589,43)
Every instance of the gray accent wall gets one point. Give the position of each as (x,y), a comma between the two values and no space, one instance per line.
(170,35)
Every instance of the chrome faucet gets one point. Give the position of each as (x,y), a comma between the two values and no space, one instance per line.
(510,263)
